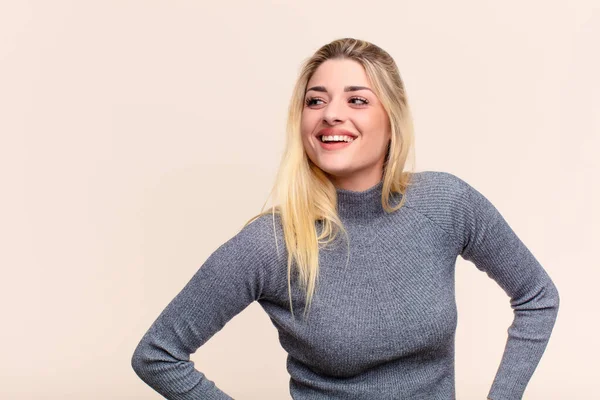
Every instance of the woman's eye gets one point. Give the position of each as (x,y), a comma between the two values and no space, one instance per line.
(364,101)
(310,101)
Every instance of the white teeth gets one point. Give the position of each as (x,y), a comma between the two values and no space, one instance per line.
(336,138)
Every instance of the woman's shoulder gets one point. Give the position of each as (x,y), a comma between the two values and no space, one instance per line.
(263,231)
(435,186)
(442,198)
(264,223)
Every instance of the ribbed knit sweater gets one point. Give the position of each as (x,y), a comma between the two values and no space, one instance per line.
(382,322)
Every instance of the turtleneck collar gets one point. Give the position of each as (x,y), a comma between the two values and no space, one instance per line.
(361,205)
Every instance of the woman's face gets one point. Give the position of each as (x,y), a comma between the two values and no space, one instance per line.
(339,97)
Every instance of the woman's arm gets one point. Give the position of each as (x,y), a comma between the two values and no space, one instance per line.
(490,243)
(228,281)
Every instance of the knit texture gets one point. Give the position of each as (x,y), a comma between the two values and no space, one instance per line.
(382,322)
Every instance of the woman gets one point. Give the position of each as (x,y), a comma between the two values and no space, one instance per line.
(379,323)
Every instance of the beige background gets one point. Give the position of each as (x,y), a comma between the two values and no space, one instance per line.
(137,136)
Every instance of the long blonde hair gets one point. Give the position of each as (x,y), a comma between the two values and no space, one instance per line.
(303,191)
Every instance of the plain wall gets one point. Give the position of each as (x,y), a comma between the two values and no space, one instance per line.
(137,136)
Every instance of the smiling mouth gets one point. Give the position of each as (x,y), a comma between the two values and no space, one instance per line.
(334,145)
(340,139)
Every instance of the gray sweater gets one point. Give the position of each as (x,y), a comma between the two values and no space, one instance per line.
(382,323)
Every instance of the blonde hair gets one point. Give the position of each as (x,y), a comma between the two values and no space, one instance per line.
(304,192)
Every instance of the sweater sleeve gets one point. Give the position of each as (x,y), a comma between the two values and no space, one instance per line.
(229,280)
(490,243)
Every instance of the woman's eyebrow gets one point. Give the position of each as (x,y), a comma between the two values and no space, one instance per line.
(346,89)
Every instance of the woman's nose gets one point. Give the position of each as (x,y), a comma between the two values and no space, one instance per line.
(333,113)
